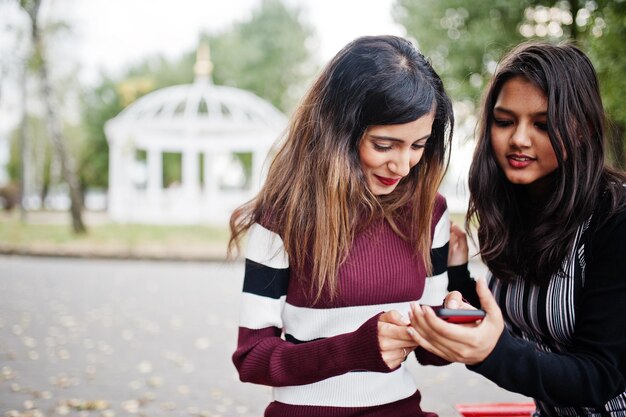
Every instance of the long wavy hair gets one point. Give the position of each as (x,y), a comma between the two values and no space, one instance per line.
(514,239)
(315,195)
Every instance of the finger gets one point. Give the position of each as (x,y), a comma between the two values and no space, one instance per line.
(424,343)
(454,342)
(453,300)
(392,335)
(487,301)
(454,229)
(457,249)
(436,348)
(394,317)
(420,324)
(441,333)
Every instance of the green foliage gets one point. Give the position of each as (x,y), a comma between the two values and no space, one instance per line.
(39,151)
(466,39)
(99,105)
(49,232)
(607,52)
(172,168)
(463,39)
(266,55)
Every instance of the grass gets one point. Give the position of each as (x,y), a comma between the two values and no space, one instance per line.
(50,233)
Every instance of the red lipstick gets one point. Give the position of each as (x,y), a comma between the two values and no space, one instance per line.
(387,181)
(519,160)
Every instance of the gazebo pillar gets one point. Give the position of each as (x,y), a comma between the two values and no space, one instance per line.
(155,173)
(116,164)
(210,177)
(119,180)
(257,167)
(190,174)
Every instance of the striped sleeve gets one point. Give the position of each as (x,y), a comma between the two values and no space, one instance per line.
(265,280)
(263,356)
(436,285)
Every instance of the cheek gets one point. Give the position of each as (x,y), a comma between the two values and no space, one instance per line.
(550,155)
(369,159)
(497,145)
(416,158)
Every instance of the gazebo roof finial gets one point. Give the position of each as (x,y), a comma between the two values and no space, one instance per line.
(203,67)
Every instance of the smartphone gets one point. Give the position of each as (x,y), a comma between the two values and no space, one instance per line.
(453,315)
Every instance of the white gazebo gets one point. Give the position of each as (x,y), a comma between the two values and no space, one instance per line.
(214,140)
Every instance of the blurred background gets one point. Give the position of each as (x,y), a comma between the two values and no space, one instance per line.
(163,112)
(131,129)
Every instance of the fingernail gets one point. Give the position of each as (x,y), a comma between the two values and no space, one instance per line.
(453,304)
(410,331)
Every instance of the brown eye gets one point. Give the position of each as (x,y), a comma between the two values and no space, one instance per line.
(502,122)
(381,148)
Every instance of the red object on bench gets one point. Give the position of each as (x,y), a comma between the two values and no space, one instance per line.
(496,409)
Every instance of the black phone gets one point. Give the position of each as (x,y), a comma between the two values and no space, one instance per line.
(454,315)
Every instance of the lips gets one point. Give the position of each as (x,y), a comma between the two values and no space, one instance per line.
(387,181)
(519,160)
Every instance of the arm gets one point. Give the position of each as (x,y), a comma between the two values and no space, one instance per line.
(589,374)
(449,255)
(594,369)
(263,356)
(458,272)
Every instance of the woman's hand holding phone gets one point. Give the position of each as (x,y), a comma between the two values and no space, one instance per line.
(468,343)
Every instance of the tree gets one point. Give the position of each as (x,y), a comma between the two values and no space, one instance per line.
(32,7)
(606,42)
(467,39)
(267,55)
(461,38)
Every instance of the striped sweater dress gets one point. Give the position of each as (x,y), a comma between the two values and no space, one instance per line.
(324,359)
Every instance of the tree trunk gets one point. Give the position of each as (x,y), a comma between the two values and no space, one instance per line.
(23,149)
(54,124)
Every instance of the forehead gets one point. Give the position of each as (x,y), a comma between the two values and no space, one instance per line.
(520,94)
(412,131)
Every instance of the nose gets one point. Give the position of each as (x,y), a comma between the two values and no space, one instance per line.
(520,136)
(401,163)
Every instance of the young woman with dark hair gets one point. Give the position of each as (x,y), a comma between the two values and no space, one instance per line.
(551,221)
(347,229)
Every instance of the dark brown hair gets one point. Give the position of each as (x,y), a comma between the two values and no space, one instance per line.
(315,195)
(514,239)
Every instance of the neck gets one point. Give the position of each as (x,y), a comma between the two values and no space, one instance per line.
(539,191)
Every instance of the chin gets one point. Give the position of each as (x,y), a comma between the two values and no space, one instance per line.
(383,192)
(519,180)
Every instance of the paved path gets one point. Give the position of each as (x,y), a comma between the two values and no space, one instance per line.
(121,338)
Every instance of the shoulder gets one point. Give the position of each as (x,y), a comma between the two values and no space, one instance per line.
(607,232)
(440,225)
(440,210)
(441,206)
(610,211)
(266,247)
(611,226)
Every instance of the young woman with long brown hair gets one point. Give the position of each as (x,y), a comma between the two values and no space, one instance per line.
(551,219)
(346,231)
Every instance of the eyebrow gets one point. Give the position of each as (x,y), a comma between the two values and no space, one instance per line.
(391,138)
(511,112)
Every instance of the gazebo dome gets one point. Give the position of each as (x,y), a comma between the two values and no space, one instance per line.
(201,105)
(219,135)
